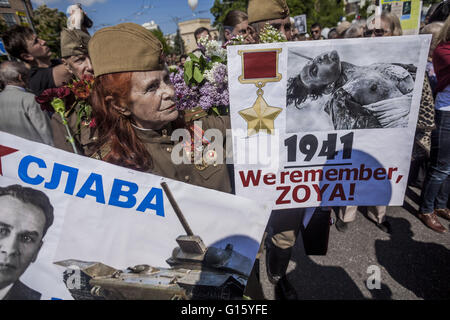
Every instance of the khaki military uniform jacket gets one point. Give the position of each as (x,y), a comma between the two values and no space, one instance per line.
(83,135)
(159,145)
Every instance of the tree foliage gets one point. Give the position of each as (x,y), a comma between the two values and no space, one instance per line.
(326,12)
(166,48)
(49,24)
(221,8)
(178,47)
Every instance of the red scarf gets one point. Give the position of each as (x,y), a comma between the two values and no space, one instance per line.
(441,63)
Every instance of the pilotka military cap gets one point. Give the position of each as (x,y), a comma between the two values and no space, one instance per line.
(74,43)
(262,10)
(125,47)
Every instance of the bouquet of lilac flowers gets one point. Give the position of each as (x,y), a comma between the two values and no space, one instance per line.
(203,80)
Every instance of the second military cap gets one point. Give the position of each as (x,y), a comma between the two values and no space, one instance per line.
(262,10)
(74,42)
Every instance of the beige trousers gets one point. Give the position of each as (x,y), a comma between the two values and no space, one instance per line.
(375,213)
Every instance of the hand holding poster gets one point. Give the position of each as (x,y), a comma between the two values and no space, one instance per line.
(327,123)
(99,231)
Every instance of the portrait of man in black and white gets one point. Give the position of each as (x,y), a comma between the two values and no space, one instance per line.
(327,93)
(25,216)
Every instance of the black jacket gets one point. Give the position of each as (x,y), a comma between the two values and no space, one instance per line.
(19,291)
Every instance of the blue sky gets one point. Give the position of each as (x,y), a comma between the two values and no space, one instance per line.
(110,12)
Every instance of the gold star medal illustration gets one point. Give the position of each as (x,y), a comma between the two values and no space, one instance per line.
(260,67)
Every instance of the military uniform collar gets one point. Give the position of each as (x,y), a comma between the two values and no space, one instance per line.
(154,136)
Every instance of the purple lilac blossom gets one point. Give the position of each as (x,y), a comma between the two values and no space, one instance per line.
(185,97)
(206,96)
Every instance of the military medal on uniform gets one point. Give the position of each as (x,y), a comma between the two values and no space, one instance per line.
(201,162)
(260,67)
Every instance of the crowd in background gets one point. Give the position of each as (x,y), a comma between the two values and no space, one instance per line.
(386,24)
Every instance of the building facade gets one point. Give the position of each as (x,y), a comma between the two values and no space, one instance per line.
(16,12)
(170,39)
(187,29)
(151,26)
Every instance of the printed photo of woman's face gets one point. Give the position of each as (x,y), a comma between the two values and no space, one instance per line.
(322,70)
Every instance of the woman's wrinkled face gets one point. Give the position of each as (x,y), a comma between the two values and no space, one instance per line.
(322,70)
(152,102)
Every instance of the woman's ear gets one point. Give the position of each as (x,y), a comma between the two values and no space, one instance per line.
(116,106)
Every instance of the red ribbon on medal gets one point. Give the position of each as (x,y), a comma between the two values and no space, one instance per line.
(260,65)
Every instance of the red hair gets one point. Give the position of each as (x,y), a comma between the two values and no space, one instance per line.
(114,128)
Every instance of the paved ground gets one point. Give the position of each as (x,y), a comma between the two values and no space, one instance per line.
(414,261)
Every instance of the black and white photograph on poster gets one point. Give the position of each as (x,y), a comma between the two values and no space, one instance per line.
(359,84)
(25,216)
(300,23)
(31,218)
(406,11)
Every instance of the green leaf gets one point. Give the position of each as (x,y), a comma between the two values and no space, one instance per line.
(216,59)
(203,63)
(193,57)
(198,76)
(216,110)
(188,66)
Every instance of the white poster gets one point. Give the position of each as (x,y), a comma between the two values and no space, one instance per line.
(325,123)
(111,233)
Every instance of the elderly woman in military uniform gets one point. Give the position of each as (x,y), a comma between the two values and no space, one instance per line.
(134,106)
(353,97)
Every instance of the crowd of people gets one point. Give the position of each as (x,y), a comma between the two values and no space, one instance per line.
(128,116)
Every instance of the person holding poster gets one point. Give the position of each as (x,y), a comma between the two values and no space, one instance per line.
(435,192)
(285,226)
(273,12)
(25,216)
(134,105)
